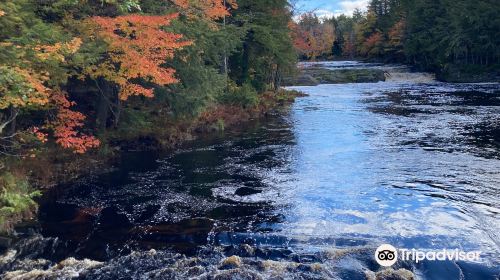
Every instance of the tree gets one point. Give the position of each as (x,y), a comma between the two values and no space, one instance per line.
(138,48)
(35,57)
(267,51)
(213,9)
(313,38)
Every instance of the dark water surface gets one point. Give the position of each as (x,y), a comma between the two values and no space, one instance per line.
(306,193)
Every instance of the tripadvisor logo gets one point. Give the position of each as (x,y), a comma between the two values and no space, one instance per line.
(387,255)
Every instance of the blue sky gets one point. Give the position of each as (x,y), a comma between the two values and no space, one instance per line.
(331,7)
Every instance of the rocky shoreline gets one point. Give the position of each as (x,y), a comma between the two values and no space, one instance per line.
(315,75)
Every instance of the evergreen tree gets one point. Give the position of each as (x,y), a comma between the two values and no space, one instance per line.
(267,52)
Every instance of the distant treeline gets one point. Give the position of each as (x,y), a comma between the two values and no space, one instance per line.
(431,34)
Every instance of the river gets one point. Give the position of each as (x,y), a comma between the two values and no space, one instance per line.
(308,193)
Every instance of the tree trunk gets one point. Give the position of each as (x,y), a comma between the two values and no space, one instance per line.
(103,105)
(245,67)
(11,118)
(13,124)
(117,110)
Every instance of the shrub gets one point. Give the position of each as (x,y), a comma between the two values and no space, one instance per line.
(16,201)
(245,96)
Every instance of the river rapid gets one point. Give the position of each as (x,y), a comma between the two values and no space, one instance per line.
(308,193)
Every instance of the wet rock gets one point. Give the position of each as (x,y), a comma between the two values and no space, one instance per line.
(5,242)
(8,257)
(67,269)
(468,74)
(313,76)
(231,262)
(391,274)
(189,262)
(246,251)
(309,267)
(274,254)
(237,274)
(243,250)
(304,80)
(276,266)
(306,258)
(152,252)
(195,271)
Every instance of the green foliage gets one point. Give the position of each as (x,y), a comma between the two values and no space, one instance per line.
(452,32)
(16,200)
(245,96)
(267,52)
(199,66)
(12,86)
(134,122)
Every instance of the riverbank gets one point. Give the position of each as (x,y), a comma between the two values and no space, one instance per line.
(23,179)
(469,74)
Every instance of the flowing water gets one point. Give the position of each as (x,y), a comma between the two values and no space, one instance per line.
(307,193)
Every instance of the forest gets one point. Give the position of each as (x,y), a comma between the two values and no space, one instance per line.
(84,77)
(442,36)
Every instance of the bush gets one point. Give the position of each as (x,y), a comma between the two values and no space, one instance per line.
(16,201)
(245,96)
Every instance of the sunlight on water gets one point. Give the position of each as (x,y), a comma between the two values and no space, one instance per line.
(404,177)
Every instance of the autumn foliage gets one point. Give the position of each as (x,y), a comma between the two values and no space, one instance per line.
(66,125)
(311,37)
(22,87)
(26,88)
(213,9)
(59,50)
(373,45)
(138,47)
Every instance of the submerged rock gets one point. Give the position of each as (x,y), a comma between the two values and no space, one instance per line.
(231,262)
(236,274)
(390,274)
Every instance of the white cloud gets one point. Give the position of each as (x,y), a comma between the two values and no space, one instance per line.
(348,7)
(324,13)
